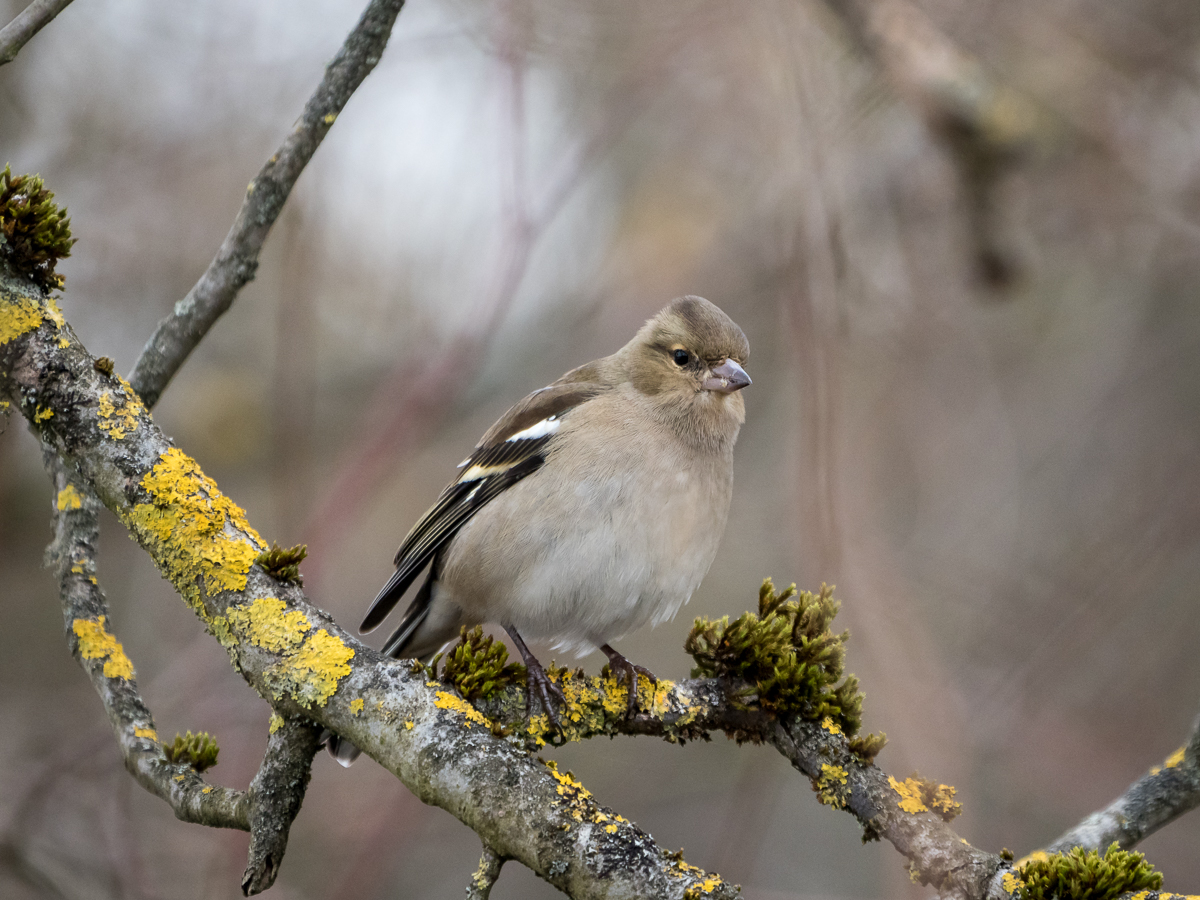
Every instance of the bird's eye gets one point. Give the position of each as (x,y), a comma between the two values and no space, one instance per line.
(681,357)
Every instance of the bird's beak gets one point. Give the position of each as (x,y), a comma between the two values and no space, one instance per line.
(727,378)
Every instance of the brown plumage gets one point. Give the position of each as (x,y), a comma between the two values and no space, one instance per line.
(592,507)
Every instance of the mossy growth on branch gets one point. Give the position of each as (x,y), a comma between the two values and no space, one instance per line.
(37,233)
(1086,875)
(283,563)
(867,746)
(787,653)
(196,750)
(478,666)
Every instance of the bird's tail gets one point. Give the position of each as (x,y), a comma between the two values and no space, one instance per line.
(397,647)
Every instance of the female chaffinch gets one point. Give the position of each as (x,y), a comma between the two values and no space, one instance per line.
(593,506)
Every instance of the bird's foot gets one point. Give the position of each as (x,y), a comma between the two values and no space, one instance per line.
(539,683)
(626,671)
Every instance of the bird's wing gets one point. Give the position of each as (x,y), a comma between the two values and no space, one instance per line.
(512,448)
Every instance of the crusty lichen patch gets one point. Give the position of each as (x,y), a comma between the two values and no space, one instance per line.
(96,643)
(119,411)
(267,623)
(311,663)
(919,795)
(446,700)
(18,316)
(68,498)
(831,786)
(197,536)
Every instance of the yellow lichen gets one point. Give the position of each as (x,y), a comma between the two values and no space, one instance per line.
(709,884)
(119,411)
(910,794)
(146,733)
(69,498)
(1010,882)
(207,789)
(17,317)
(408,724)
(577,798)
(192,530)
(1175,758)
(831,726)
(446,700)
(831,786)
(356,706)
(316,668)
(96,643)
(54,314)
(42,414)
(274,723)
(266,623)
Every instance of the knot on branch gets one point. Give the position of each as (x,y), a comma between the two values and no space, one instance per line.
(196,750)
(1082,875)
(791,660)
(37,233)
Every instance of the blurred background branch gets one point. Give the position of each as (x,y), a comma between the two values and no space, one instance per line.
(32,19)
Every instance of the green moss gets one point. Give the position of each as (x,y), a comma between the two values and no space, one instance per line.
(478,666)
(283,564)
(104,366)
(866,747)
(196,750)
(37,234)
(1086,875)
(788,654)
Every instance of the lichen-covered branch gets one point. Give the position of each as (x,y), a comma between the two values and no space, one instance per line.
(1159,797)
(292,653)
(89,632)
(28,22)
(237,259)
(485,876)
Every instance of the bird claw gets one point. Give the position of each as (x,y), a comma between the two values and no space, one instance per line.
(540,682)
(624,670)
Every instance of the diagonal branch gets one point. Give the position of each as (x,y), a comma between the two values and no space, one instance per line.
(293,654)
(1156,799)
(28,22)
(237,259)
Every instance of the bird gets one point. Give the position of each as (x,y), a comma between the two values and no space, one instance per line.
(592,507)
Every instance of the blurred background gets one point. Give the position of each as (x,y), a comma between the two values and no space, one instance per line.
(962,237)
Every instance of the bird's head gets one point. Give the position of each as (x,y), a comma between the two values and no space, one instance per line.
(689,358)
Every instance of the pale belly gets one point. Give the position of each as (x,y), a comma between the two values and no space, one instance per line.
(601,557)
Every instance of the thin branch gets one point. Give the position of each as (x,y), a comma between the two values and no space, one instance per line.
(269,807)
(237,259)
(485,876)
(1156,799)
(277,791)
(86,616)
(28,22)
(293,654)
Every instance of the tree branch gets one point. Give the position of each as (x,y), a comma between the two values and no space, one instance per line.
(292,653)
(485,876)
(237,259)
(1156,799)
(28,22)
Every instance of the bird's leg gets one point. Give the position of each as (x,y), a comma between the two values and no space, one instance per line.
(624,670)
(538,680)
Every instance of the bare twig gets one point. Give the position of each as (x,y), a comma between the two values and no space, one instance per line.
(485,876)
(237,259)
(1154,800)
(277,791)
(28,22)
